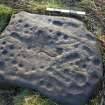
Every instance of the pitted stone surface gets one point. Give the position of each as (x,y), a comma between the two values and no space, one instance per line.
(55,55)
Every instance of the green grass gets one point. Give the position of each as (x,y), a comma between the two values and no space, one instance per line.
(27,97)
(5,14)
(50,3)
(31,98)
(39,6)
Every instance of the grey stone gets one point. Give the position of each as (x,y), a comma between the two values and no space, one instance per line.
(56,56)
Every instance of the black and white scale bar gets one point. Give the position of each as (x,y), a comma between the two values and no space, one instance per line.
(66,11)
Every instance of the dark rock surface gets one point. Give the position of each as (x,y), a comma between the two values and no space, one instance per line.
(55,55)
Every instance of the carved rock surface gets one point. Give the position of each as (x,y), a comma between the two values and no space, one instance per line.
(56,56)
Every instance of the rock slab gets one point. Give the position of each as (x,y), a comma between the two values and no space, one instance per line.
(56,56)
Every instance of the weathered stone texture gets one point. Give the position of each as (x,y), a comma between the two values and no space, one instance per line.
(55,55)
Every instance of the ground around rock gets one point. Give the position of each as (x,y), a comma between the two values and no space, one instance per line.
(93,21)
